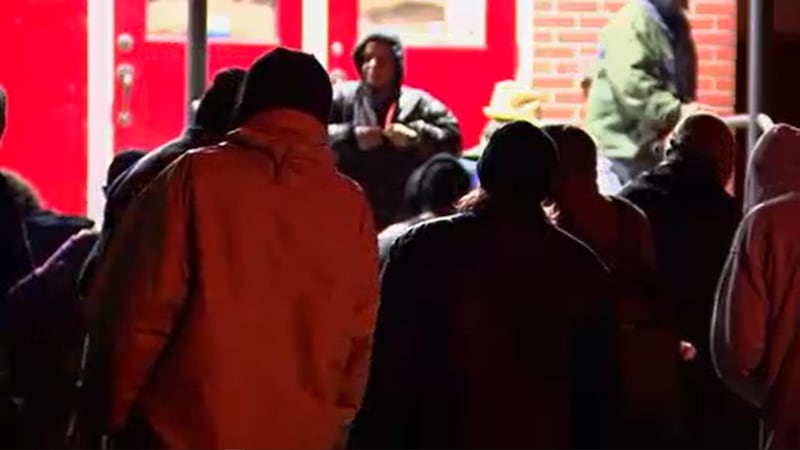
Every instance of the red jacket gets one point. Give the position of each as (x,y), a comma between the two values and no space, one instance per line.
(235,306)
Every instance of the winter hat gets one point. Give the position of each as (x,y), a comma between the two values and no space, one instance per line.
(284,78)
(123,161)
(215,110)
(518,163)
(438,183)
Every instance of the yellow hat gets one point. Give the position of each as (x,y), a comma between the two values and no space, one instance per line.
(514,101)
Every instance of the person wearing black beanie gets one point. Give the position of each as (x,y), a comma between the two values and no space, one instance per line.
(381,130)
(211,121)
(433,190)
(517,164)
(495,327)
(235,304)
(287,79)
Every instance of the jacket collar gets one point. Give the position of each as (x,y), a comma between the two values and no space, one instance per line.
(294,141)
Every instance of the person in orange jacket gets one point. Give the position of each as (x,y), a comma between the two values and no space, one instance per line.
(236,306)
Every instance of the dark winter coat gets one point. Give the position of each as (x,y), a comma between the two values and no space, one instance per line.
(494,331)
(382,172)
(693,221)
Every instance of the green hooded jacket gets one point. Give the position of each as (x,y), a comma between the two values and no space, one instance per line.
(633,96)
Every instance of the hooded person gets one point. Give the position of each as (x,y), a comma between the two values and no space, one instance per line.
(521,356)
(755,336)
(211,122)
(433,190)
(381,130)
(241,323)
(644,81)
(46,333)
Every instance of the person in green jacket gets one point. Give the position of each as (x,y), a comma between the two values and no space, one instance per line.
(644,81)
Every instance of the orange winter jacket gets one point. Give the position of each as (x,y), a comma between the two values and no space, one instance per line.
(235,306)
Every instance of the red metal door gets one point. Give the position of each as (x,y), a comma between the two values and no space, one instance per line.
(44,74)
(150,57)
(455,49)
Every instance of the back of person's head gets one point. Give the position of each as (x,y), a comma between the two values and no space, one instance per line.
(215,110)
(285,79)
(437,184)
(577,151)
(23,195)
(517,165)
(122,161)
(704,139)
(3,100)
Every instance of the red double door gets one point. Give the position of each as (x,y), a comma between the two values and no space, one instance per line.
(456,49)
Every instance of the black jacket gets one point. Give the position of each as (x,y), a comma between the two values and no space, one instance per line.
(494,331)
(693,221)
(382,172)
(132,182)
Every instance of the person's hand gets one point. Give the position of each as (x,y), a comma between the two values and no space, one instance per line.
(401,136)
(688,352)
(368,138)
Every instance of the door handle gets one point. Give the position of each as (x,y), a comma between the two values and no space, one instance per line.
(125,78)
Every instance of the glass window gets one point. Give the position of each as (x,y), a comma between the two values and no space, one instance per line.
(246,21)
(427,23)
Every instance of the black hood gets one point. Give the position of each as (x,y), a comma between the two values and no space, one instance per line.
(397,52)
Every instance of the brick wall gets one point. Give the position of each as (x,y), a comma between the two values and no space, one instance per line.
(565,43)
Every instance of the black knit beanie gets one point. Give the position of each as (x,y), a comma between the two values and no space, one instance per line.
(122,161)
(517,164)
(284,78)
(215,111)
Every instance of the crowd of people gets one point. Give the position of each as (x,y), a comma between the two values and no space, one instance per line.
(312,265)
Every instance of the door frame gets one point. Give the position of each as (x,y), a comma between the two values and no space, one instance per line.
(100,96)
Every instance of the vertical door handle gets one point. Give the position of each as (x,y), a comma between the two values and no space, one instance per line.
(125,77)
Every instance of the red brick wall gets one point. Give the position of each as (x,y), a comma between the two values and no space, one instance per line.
(565,43)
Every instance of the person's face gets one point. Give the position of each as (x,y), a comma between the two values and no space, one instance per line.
(379,66)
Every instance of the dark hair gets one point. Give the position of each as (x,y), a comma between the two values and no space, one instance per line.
(577,150)
(24,196)
(215,110)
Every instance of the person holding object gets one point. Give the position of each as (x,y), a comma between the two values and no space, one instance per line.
(381,130)
(643,83)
